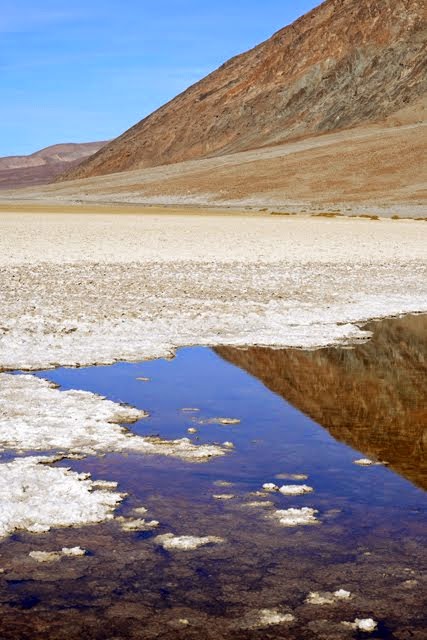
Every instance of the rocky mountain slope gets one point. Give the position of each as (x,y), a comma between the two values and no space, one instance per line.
(44,165)
(346,63)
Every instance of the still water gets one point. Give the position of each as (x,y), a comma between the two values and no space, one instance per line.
(301,412)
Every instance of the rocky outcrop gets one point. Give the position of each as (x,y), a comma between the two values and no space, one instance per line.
(345,63)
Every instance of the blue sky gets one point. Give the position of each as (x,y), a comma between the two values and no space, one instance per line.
(87,70)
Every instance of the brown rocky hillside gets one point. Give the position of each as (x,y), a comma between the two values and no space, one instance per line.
(346,63)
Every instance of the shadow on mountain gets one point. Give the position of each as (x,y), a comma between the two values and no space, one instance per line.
(371,397)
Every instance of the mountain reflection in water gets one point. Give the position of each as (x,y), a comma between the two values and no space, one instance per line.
(371,397)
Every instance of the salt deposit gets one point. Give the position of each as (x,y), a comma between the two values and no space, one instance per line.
(270,486)
(326,597)
(137,524)
(35,497)
(295,489)
(223,421)
(295,517)
(35,415)
(228,445)
(291,476)
(53,556)
(303,282)
(45,556)
(259,504)
(367,625)
(185,543)
(365,462)
(265,618)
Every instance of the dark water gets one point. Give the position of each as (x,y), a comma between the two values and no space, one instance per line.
(368,401)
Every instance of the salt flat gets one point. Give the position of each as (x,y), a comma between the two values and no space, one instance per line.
(95,288)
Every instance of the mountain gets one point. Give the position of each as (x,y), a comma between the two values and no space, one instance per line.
(44,165)
(344,64)
(371,397)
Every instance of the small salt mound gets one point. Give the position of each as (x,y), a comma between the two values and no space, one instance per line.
(53,556)
(259,504)
(367,625)
(291,476)
(137,524)
(223,421)
(185,543)
(295,489)
(296,517)
(266,618)
(228,445)
(270,486)
(44,556)
(364,462)
(73,551)
(36,497)
(326,597)
(223,496)
(191,430)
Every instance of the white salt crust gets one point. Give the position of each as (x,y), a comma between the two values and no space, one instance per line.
(137,524)
(36,416)
(53,556)
(100,288)
(296,517)
(326,597)
(266,618)
(270,487)
(367,625)
(172,542)
(35,497)
(295,489)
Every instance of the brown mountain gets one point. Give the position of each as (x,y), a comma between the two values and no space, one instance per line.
(371,397)
(43,166)
(346,63)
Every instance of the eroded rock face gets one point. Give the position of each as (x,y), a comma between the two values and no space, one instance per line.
(326,71)
(372,397)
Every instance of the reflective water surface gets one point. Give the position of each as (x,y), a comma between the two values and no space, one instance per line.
(301,412)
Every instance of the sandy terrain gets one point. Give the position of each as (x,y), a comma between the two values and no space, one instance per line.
(371,169)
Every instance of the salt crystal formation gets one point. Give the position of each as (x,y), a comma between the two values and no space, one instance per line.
(295,517)
(36,497)
(35,415)
(295,489)
(185,543)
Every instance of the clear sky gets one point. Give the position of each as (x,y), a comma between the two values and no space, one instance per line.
(82,70)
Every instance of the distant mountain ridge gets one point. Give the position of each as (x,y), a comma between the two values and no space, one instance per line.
(346,63)
(43,165)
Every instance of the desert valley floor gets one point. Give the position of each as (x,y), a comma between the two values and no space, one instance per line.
(205,428)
